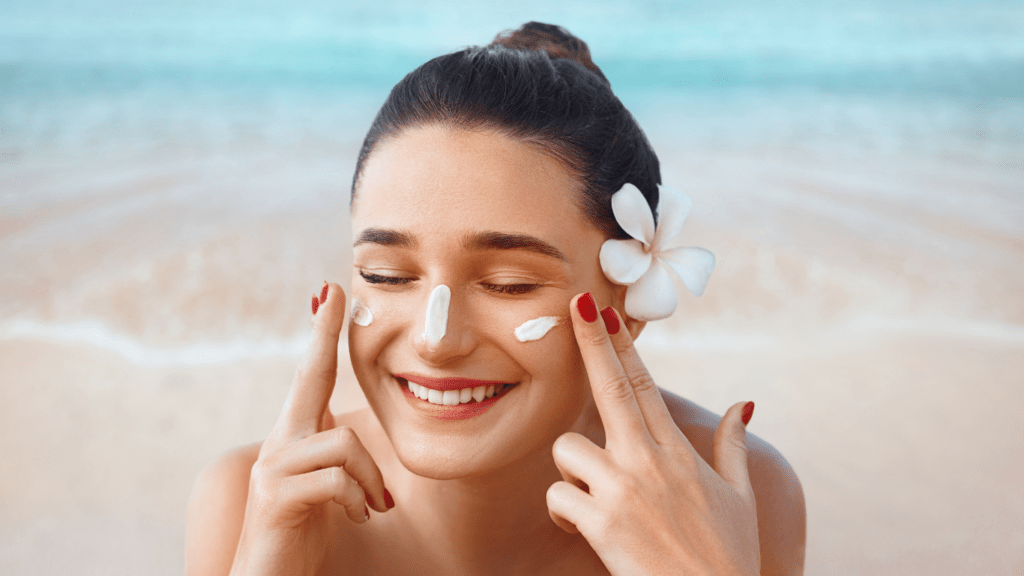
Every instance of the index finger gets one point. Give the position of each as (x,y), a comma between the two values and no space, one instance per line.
(613,393)
(659,420)
(314,380)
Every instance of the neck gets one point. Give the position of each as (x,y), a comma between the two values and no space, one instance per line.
(489,522)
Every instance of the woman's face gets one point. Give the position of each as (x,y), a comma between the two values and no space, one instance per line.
(495,221)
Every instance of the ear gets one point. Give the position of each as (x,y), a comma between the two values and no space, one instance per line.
(634,326)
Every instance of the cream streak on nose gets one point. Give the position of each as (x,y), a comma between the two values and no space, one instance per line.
(537,328)
(361,315)
(436,324)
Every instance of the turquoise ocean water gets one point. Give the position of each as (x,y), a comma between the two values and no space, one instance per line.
(113,73)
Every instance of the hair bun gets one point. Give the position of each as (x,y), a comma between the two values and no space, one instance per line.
(555,40)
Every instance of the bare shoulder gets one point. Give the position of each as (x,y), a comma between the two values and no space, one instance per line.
(216,510)
(781,511)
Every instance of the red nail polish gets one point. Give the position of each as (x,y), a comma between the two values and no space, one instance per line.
(748,412)
(611,320)
(587,307)
(323,293)
(369,499)
(388,500)
(316,304)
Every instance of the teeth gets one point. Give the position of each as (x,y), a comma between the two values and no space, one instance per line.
(453,397)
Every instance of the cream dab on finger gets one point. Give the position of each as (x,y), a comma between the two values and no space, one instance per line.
(361,315)
(436,324)
(537,328)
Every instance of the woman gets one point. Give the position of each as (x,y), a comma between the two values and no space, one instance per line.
(497,293)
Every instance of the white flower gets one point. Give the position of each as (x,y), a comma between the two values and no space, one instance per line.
(641,263)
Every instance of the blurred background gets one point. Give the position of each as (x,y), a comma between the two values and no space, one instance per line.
(173,186)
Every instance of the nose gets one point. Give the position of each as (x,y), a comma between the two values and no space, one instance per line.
(443,333)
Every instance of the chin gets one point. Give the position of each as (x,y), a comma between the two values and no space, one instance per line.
(443,458)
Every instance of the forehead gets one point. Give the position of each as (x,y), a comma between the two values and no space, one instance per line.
(435,178)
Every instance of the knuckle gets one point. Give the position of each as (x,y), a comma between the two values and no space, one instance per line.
(595,338)
(263,491)
(337,479)
(301,374)
(734,447)
(647,460)
(346,436)
(552,494)
(629,486)
(644,382)
(316,372)
(565,444)
(616,389)
(621,344)
(260,471)
(559,493)
(621,486)
(684,460)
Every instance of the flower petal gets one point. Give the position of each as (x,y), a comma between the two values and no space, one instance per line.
(624,261)
(692,264)
(653,297)
(673,208)
(633,213)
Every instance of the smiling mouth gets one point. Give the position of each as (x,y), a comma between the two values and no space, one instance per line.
(456,390)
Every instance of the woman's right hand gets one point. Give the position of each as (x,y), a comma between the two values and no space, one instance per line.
(306,463)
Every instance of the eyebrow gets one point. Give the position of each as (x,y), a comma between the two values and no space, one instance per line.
(479,241)
(385,237)
(503,241)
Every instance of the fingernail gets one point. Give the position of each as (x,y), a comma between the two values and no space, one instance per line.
(748,412)
(587,307)
(367,510)
(316,304)
(611,321)
(388,500)
(370,499)
(323,293)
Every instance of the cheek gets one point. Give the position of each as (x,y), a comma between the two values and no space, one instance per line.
(559,377)
(536,328)
(371,324)
(362,315)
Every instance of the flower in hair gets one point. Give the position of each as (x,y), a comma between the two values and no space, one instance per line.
(643,263)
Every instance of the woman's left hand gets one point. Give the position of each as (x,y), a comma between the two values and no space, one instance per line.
(647,502)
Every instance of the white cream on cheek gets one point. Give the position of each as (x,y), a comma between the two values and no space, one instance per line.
(537,328)
(436,324)
(361,315)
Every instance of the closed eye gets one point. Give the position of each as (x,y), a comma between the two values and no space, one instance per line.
(372,278)
(511,289)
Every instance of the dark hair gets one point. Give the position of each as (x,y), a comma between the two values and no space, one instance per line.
(537,85)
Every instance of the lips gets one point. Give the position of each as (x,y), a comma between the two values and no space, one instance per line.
(452,398)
